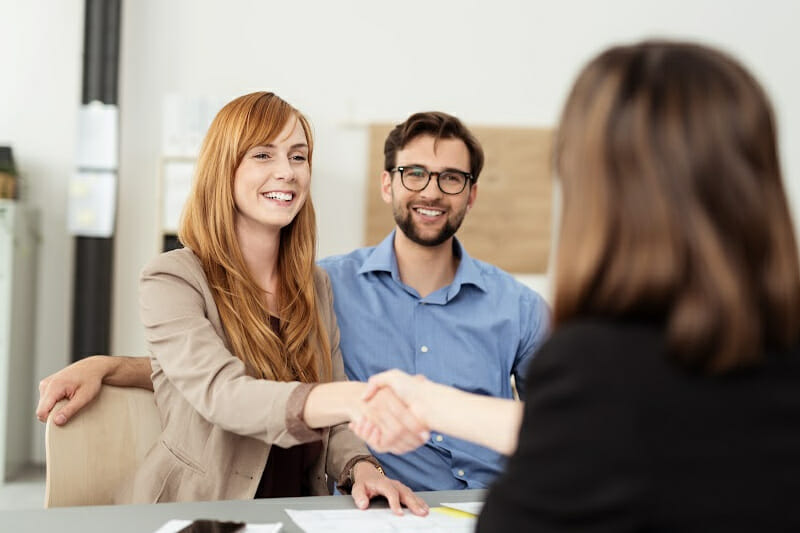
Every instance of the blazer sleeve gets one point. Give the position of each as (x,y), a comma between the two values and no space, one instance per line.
(196,361)
(344,447)
(577,466)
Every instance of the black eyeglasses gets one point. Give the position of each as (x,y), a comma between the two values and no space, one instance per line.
(416,178)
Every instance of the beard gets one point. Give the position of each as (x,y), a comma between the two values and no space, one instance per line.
(404,220)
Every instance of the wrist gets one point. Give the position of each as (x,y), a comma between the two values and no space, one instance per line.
(365,468)
(428,399)
(329,404)
(103,365)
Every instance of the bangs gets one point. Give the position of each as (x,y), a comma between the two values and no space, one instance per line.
(264,122)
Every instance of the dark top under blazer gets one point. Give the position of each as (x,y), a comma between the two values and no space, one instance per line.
(615,437)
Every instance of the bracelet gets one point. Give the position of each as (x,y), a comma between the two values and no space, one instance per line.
(379,468)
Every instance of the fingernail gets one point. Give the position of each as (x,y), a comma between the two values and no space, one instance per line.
(60,419)
(425,436)
(361,504)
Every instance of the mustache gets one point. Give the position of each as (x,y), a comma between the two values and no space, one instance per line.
(428,205)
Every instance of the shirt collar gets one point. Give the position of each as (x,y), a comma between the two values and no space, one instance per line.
(383,259)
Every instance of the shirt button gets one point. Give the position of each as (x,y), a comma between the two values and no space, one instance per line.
(461,473)
(424,349)
(439,438)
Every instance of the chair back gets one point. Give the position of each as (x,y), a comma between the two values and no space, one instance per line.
(100,447)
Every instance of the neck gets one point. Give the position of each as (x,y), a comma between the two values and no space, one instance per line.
(426,269)
(259,248)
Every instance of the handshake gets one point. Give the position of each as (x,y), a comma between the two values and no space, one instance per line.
(395,412)
(398,412)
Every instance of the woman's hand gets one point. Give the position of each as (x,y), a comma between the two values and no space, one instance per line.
(383,435)
(387,424)
(368,482)
(408,388)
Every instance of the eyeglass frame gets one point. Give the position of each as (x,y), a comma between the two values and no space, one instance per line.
(469,178)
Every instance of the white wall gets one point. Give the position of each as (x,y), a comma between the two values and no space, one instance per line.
(344,63)
(40,84)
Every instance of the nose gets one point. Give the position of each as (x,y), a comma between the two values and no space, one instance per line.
(283,170)
(432,190)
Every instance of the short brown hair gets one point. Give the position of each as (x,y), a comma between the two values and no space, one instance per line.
(673,204)
(440,126)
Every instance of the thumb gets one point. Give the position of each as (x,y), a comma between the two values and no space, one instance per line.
(372,388)
(75,404)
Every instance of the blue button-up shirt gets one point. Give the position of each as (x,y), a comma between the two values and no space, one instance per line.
(473,334)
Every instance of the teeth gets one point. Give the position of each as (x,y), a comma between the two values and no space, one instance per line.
(285,196)
(429,212)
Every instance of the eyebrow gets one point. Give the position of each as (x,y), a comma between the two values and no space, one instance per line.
(446,169)
(292,147)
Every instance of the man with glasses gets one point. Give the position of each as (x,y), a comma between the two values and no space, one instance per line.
(417,301)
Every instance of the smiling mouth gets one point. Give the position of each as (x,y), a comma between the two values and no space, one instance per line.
(279,196)
(428,212)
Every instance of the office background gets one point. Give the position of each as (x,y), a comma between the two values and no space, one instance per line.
(346,64)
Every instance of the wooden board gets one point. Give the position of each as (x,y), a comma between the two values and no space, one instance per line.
(509,226)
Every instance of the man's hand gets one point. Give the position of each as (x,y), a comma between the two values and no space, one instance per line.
(79,382)
(369,483)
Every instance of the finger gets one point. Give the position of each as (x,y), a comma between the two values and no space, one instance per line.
(411,500)
(43,384)
(374,438)
(362,428)
(359,494)
(401,429)
(370,391)
(388,490)
(383,379)
(47,401)
(75,404)
(393,435)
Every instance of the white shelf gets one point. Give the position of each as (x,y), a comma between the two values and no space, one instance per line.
(18,248)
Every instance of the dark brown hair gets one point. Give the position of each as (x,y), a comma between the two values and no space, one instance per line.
(440,126)
(673,204)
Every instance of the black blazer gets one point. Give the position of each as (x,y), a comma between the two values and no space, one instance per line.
(616,437)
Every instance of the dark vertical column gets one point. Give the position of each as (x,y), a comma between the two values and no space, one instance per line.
(91,326)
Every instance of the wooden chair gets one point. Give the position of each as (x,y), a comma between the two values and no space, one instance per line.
(99,447)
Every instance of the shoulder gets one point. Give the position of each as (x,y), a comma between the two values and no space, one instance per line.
(505,286)
(181,263)
(602,350)
(179,260)
(321,281)
(348,263)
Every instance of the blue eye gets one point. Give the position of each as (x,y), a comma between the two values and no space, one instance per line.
(261,155)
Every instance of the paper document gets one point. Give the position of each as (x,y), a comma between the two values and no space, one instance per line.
(176,525)
(380,521)
(473,508)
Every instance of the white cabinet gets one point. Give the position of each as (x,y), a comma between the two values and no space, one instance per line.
(18,243)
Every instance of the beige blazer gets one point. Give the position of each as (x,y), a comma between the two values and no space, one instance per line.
(219,423)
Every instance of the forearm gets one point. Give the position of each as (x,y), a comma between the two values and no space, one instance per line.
(490,422)
(124,371)
(329,404)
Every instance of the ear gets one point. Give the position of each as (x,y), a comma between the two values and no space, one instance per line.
(386,186)
(473,194)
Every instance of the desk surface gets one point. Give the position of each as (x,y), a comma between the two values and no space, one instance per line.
(148,518)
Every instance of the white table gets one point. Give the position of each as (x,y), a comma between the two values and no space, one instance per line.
(148,518)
